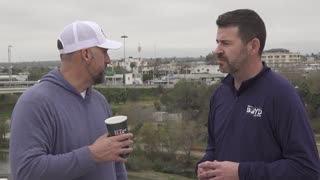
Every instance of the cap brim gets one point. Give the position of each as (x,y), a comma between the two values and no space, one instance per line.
(110,44)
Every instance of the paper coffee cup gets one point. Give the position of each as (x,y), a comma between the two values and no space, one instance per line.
(117,125)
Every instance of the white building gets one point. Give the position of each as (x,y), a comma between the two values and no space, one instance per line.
(205,69)
(280,56)
(117,79)
(126,64)
(146,69)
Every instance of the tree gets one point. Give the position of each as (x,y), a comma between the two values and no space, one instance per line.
(157,105)
(313,81)
(137,116)
(147,77)
(313,99)
(190,98)
(150,138)
(169,132)
(156,67)
(4,129)
(16,70)
(211,58)
(37,73)
(188,135)
(119,70)
(309,89)
(132,65)
(184,69)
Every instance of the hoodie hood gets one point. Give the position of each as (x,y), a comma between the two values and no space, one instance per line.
(56,77)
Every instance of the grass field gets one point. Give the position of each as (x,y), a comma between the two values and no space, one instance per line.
(150,175)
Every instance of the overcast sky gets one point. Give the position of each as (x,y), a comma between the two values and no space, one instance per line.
(164,28)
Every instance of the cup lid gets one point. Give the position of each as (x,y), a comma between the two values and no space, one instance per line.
(115,119)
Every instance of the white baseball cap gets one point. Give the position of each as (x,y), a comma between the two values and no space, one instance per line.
(83,34)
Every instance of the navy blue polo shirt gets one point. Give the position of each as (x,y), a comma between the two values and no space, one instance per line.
(263,126)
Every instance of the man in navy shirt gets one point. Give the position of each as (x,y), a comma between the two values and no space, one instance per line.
(258,127)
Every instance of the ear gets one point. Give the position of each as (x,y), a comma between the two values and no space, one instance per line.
(85,55)
(254,46)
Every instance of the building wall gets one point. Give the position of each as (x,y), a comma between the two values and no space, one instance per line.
(203,69)
(281,57)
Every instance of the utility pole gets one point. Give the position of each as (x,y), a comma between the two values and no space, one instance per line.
(9,61)
(124,57)
(139,51)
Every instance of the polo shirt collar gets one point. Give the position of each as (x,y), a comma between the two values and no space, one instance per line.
(229,80)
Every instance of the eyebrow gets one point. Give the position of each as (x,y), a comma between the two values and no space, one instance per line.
(223,40)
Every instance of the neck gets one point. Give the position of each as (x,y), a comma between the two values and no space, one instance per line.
(251,70)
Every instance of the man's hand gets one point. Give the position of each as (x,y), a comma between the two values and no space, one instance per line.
(216,170)
(107,149)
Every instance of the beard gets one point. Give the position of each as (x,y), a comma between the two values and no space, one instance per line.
(226,66)
(99,78)
(232,66)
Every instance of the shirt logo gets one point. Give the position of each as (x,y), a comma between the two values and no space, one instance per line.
(256,112)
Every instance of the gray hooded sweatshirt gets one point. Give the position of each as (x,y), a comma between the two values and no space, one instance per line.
(52,126)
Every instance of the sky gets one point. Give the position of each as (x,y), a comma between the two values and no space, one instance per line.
(163,28)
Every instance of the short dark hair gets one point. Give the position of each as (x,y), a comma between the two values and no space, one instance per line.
(249,23)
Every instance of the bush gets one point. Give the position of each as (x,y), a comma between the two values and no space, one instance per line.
(157,105)
(121,95)
(138,161)
(315,124)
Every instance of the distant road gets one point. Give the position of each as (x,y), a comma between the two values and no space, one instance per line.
(20,86)
(12,90)
(9,84)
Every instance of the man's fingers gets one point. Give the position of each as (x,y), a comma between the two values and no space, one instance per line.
(125,143)
(122,137)
(209,165)
(205,165)
(126,150)
(206,175)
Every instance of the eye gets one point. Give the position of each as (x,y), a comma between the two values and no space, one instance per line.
(104,51)
(225,42)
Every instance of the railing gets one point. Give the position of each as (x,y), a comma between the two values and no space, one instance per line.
(12,91)
(17,83)
(5,177)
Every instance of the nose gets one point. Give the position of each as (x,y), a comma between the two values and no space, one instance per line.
(218,50)
(107,59)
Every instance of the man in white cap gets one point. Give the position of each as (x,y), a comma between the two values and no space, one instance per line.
(57,127)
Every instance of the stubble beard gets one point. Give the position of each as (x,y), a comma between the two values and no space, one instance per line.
(98,79)
(226,66)
(235,66)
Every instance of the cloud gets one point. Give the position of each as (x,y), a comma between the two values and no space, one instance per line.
(175,28)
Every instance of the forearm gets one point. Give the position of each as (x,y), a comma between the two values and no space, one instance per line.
(285,169)
(46,167)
